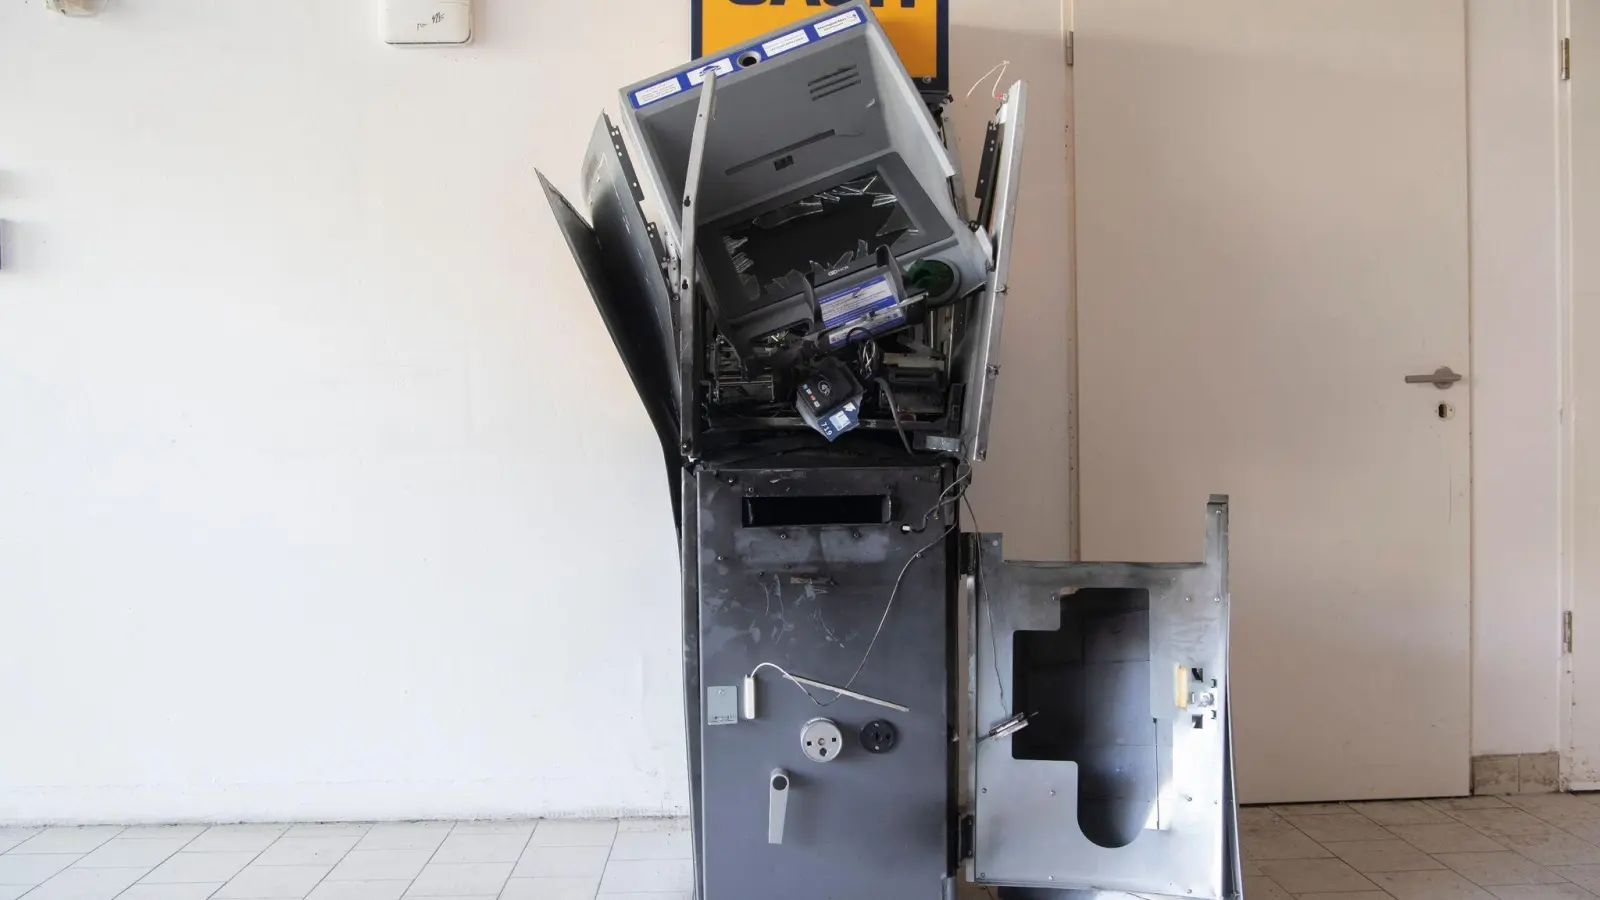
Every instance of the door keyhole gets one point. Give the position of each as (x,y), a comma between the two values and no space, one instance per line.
(1446,411)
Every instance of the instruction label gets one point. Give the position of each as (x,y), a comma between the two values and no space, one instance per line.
(838,23)
(786,43)
(656,92)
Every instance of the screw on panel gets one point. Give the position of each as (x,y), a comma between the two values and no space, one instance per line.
(783,535)
(855,534)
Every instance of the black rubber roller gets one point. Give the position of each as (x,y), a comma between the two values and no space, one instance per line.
(879,736)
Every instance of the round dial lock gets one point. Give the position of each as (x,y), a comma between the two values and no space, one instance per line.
(821,740)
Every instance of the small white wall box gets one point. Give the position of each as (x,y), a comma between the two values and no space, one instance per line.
(427,21)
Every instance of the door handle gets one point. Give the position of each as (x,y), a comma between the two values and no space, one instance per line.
(777,804)
(1440,378)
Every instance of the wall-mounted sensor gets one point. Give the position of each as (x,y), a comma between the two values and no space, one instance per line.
(77,9)
(423,22)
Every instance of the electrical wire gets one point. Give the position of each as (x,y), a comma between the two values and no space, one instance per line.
(894,411)
(1000,67)
(961,483)
(889,606)
(894,592)
(988,609)
(786,677)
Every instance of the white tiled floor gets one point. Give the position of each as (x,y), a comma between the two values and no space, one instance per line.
(1527,847)
(1532,847)
(642,859)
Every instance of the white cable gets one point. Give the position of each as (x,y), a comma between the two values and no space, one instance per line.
(787,677)
(995,91)
(801,682)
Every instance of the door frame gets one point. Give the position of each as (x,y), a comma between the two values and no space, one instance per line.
(1566,469)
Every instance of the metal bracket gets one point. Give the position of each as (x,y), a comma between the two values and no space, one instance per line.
(691,184)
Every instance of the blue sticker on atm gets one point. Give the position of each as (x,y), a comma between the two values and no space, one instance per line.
(693,78)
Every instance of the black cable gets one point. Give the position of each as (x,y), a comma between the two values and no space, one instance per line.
(895,412)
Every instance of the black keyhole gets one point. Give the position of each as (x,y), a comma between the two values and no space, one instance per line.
(878,736)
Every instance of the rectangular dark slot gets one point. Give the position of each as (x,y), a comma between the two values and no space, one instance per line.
(845,509)
(782,151)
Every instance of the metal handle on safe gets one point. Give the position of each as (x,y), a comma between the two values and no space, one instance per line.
(777,804)
(1440,378)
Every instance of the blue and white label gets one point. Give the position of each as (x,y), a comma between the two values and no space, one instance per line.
(661,91)
(871,306)
(786,43)
(838,23)
(722,67)
(694,77)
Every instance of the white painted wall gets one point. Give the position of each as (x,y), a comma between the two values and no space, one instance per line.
(1516,404)
(323,493)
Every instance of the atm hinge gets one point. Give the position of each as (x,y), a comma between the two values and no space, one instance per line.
(1069,48)
(1566,631)
(966,829)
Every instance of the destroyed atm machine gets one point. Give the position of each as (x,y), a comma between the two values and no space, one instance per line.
(878,704)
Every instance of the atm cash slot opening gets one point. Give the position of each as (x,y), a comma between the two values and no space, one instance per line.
(838,509)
